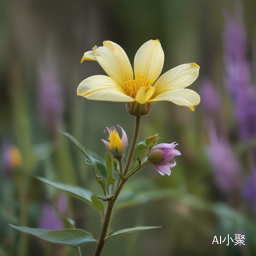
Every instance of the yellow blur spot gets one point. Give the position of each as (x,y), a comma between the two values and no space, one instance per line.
(15,157)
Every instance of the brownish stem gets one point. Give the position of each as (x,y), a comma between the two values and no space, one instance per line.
(135,136)
(107,219)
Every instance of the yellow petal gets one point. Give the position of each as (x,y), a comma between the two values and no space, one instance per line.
(143,95)
(149,60)
(88,56)
(181,97)
(178,77)
(114,61)
(102,88)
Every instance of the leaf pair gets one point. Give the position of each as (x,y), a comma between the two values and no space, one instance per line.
(73,237)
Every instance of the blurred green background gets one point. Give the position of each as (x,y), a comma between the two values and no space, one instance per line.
(42,42)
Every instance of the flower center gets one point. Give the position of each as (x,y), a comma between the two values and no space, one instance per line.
(133,86)
(114,141)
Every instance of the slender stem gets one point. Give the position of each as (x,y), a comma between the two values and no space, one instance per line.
(107,220)
(102,239)
(120,168)
(135,136)
(136,170)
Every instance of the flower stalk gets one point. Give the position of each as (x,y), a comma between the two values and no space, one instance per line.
(135,136)
(111,202)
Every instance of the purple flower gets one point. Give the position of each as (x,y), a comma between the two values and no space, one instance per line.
(210,98)
(245,112)
(115,145)
(249,191)
(49,218)
(51,105)
(234,37)
(225,166)
(161,154)
(238,84)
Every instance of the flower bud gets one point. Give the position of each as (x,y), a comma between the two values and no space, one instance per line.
(150,141)
(155,157)
(115,145)
(160,155)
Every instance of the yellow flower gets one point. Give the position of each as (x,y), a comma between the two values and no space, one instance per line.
(115,145)
(142,87)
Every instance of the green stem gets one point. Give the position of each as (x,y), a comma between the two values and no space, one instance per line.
(102,239)
(136,170)
(107,219)
(135,136)
(120,168)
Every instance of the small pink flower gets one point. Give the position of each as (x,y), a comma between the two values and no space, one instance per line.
(115,145)
(161,154)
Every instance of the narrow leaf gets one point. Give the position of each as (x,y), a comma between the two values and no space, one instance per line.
(132,197)
(70,237)
(90,158)
(130,230)
(75,191)
(110,169)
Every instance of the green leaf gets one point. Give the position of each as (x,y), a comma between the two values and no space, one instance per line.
(141,150)
(75,191)
(131,197)
(70,237)
(99,162)
(90,157)
(98,203)
(69,223)
(129,230)
(110,168)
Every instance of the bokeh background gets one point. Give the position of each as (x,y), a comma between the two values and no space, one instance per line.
(212,190)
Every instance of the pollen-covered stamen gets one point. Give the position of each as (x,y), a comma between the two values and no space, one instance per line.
(133,86)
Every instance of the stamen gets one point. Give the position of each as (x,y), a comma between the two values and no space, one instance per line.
(133,86)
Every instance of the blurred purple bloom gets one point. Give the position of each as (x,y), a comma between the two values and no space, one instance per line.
(249,191)
(161,161)
(51,105)
(49,217)
(62,202)
(210,98)
(241,91)
(234,37)
(225,166)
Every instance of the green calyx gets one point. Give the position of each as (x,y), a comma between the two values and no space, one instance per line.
(137,109)
(155,157)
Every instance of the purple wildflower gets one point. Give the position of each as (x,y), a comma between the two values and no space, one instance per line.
(51,105)
(161,154)
(49,218)
(238,84)
(225,166)
(210,98)
(249,191)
